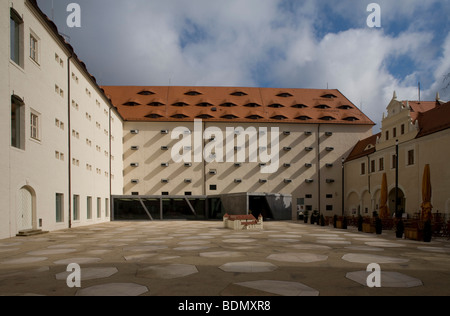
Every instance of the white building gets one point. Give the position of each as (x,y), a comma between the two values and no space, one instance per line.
(61,138)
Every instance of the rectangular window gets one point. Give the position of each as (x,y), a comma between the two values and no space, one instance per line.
(308,208)
(372,166)
(99,207)
(403,129)
(363,168)
(59,208)
(89,207)
(213,187)
(17,125)
(76,208)
(106,207)
(308,196)
(394,161)
(411,158)
(329,196)
(34,123)
(394,132)
(387,135)
(34,48)
(329,207)
(16,24)
(381,164)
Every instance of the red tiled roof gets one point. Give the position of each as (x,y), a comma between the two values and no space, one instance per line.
(419,107)
(435,120)
(253,106)
(364,147)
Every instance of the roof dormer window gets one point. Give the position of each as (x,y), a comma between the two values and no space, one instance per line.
(254,117)
(239,94)
(180,104)
(229,117)
(345,107)
(322,106)
(205,104)
(284,95)
(193,93)
(327,118)
(303,118)
(131,103)
(146,92)
(279,117)
(329,96)
(179,116)
(156,104)
(351,119)
(252,105)
(228,105)
(299,106)
(276,106)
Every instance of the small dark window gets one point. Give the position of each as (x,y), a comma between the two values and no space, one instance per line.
(228,105)
(188,193)
(131,103)
(322,106)
(345,107)
(213,187)
(309,208)
(299,106)
(276,106)
(239,94)
(252,105)
(284,95)
(156,104)
(134,193)
(329,96)
(351,119)
(205,104)
(303,118)
(254,117)
(329,207)
(165,193)
(329,196)
(180,104)
(146,92)
(327,118)
(308,196)
(279,117)
(193,93)
(153,116)
(229,117)
(204,116)
(179,116)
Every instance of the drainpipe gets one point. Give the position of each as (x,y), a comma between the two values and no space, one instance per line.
(319,168)
(69,137)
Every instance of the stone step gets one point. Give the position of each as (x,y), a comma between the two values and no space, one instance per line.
(31,232)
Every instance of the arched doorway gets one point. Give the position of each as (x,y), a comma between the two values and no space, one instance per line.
(402,201)
(353,206)
(25,209)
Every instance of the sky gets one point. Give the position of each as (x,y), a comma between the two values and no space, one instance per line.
(267,43)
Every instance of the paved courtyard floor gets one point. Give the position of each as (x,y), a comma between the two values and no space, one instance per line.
(181,258)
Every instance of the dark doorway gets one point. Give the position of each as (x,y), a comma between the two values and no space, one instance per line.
(259,206)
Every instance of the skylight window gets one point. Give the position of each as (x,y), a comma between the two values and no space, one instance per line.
(204,116)
(239,94)
(179,116)
(329,96)
(299,106)
(279,117)
(276,106)
(229,117)
(322,106)
(327,118)
(303,118)
(193,93)
(254,117)
(180,104)
(155,104)
(131,103)
(205,104)
(146,92)
(252,105)
(345,107)
(351,119)
(228,104)
(154,116)
(284,95)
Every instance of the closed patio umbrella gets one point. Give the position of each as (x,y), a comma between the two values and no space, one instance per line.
(384,211)
(426,194)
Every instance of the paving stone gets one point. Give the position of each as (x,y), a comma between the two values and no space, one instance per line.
(388,279)
(90,273)
(171,271)
(222,254)
(298,257)
(24,260)
(77,261)
(114,289)
(281,288)
(248,267)
(370,258)
(50,252)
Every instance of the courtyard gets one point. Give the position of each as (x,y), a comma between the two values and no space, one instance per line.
(184,258)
